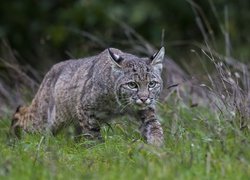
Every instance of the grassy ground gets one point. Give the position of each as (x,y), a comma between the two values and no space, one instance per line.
(199,145)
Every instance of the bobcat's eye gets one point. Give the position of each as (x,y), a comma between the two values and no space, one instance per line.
(152,84)
(132,85)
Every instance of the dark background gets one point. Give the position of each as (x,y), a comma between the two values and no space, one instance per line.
(50,30)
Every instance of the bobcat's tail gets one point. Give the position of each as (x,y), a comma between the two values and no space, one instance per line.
(15,127)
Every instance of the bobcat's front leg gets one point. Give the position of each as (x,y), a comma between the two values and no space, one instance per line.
(89,128)
(151,128)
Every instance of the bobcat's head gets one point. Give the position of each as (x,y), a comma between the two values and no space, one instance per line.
(139,80)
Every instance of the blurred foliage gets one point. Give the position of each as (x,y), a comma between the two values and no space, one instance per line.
(44,30)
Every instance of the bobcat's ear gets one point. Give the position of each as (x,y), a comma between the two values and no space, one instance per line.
(157,59)
(116,59)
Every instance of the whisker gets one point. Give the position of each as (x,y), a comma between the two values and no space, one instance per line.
(159,103)
(124,106)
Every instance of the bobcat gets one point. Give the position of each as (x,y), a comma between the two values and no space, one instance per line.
(91,91)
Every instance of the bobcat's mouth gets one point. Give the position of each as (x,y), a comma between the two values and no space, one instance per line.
(142,102)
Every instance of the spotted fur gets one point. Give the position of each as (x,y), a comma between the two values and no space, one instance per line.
(93,90)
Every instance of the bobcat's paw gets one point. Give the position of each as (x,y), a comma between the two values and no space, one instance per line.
(155,140)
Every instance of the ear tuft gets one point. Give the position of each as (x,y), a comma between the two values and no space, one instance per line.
(115,58)
(157,59)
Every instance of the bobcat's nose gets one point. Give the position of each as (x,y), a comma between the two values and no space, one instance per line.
(143,100)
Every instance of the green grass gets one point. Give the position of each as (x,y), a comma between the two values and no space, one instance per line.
(199,145)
